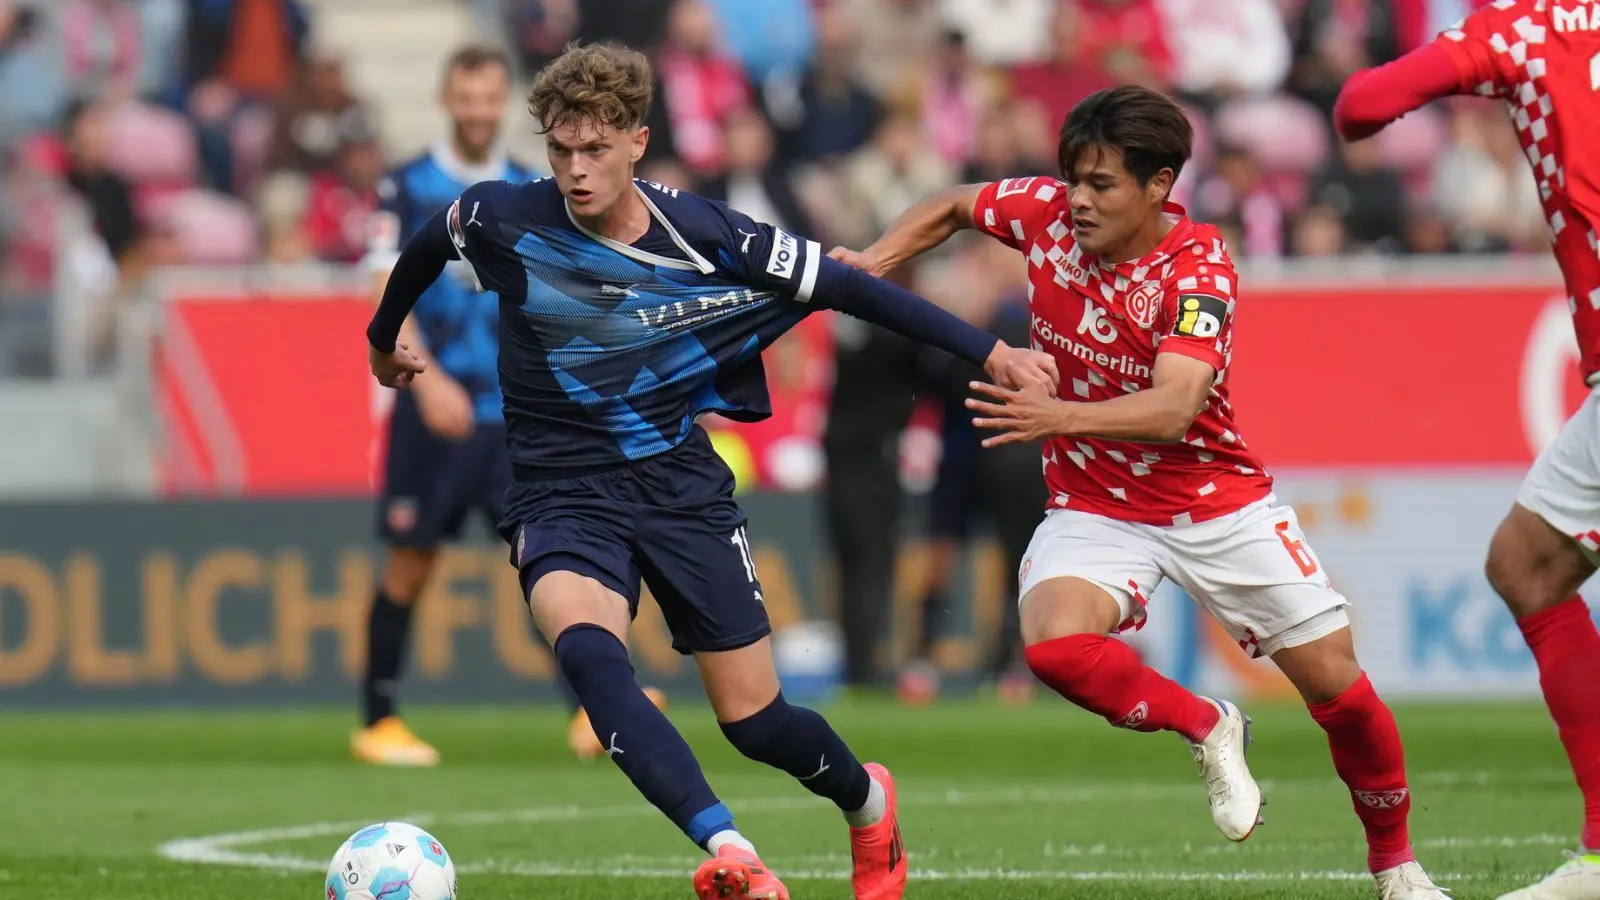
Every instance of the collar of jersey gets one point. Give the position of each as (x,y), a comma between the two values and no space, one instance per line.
(1172,242)
(493,169)
(697,262)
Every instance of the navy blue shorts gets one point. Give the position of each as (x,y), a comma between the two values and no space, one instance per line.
(432,484)
(669,521)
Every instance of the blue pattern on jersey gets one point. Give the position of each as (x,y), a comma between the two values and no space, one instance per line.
(609,356)
(459,324)
(608,352)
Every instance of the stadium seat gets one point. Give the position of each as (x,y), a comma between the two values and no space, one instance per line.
(1415,141)
(212,228)
(150,145)
(1284,133)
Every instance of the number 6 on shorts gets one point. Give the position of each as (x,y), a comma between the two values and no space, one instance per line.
(1297,550)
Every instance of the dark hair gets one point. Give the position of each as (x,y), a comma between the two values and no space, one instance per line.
(606,84)
(472,57)
(1149,130)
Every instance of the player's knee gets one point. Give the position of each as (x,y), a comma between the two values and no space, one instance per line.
(1068,663)
(1517,571)
(1502,566)
(589,653)
(406,573)
(1066,607)
(755,735)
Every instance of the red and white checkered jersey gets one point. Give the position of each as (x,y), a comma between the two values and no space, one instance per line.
(1542,57)
(1105,324)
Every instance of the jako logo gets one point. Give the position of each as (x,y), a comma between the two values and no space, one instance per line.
(1094,322)
(1382,799)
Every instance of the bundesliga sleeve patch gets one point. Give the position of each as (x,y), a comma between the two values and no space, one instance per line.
(1200,316)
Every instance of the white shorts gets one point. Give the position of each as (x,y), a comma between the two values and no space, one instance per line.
(1252,570)
(1563,487)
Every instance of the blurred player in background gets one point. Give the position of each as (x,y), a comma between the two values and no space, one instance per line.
(446,453)
(1148,476)
(628,310)
(1542,57)
(1000,487)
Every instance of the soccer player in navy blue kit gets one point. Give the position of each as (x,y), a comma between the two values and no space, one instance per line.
(627,310)
(446,453)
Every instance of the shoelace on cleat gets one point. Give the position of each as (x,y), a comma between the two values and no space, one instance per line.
(1217,779)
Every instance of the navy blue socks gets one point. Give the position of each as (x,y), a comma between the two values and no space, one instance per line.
(802,743)
(637,736)
(388,630)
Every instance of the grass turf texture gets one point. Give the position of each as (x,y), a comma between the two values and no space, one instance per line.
(1039,802)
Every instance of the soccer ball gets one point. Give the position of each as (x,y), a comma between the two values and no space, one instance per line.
(391,861)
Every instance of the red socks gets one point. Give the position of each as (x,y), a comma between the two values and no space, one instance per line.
(1105,677)
(1369,759)
(1567,648)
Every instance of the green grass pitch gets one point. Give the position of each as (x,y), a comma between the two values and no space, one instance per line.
(1038,802)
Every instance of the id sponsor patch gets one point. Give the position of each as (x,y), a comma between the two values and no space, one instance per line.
(1200,316)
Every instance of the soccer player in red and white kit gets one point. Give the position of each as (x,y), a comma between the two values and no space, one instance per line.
(1543,59)
(1148,475)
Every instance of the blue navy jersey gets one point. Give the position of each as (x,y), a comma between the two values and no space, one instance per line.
(459,324)
(609,352)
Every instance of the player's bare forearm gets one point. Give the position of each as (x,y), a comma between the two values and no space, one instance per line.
(1160,414)
(1156,415)
(1373,98)
(922,228)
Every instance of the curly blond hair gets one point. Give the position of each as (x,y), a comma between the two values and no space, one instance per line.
(601,84)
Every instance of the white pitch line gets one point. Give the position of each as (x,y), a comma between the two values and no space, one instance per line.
(224,849)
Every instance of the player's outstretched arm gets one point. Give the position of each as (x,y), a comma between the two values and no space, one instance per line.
(418,267)
(1161,414)
(1373,98)
(854,292)
(918,230)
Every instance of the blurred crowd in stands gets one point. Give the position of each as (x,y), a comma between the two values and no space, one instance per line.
(215,132)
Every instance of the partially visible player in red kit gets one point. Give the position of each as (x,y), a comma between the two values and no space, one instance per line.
(1543,59)
(1148,475)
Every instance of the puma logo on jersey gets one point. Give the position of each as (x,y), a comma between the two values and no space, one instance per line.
(748,237)
(614,290)
(473,219)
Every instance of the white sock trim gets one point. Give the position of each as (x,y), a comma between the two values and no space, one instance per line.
(729,838)
(872,813)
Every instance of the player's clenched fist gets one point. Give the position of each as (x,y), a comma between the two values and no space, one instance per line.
(1014,367)
(395,369)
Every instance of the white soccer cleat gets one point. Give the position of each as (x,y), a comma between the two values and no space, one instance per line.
(1230,788)
(1578,879)
(1407,881)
